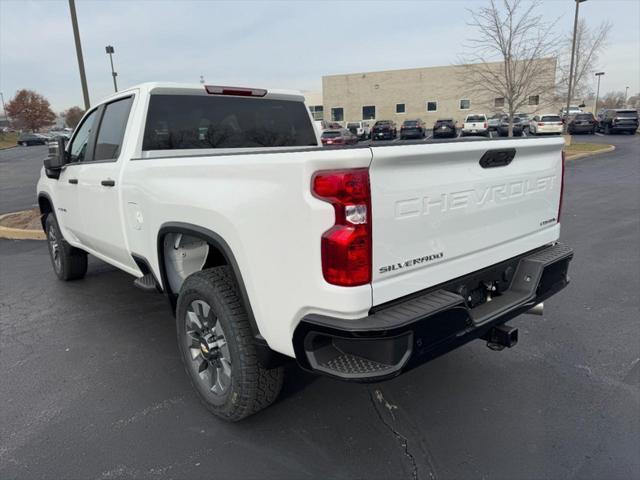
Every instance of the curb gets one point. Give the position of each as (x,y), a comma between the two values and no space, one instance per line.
(578,156)
(19,233)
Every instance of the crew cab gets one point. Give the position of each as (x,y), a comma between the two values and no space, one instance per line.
(360,262)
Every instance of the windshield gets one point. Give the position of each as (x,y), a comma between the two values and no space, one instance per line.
(550,118)
(353,125)
(584,116)
(627,114)
(410,123)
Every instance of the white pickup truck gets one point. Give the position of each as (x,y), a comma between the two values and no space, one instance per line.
(359,262)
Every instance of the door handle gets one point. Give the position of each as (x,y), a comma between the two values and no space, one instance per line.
(73,181)
(108,183)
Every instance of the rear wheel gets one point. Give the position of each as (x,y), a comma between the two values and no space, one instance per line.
(216,343)
(69,263)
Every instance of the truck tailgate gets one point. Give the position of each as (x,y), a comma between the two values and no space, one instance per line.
(439,214)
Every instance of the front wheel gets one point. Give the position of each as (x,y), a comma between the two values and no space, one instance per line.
(69,263)
(218,350)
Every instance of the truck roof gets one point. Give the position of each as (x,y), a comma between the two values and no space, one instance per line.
(174,88)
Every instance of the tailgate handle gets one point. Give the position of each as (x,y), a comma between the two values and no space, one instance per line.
(497,158)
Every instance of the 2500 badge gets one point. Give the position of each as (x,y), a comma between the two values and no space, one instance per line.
(411,263)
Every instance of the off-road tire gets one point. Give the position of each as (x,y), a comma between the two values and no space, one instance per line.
(252,387)
(72,264)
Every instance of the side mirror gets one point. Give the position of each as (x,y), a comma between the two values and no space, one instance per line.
(57,158)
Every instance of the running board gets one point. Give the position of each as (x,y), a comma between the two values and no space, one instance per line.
(147,283)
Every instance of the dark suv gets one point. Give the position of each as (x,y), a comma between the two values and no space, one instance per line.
(618,120)
(581,123)
(413,129)
(384,130)
(28,139)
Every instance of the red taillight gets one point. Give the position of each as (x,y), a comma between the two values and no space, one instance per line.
(541,124)
(561,190)
(486,125)
(346,247)
(238,91)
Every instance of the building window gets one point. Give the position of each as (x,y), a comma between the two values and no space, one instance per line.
(465,104)
(317,111)
(498,102)
(400,108)
(337,114)
(432,106)
(369,112)
(534,99)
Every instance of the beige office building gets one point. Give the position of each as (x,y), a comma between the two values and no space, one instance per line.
(428,93)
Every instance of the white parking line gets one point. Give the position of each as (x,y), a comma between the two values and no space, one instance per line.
(599,134)
(524,134)
(490,134)
(430,136)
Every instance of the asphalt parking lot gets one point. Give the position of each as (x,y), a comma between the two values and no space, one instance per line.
(91,384)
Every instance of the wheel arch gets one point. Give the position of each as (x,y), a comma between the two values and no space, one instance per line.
(213,240)
(267,357)
(46,207)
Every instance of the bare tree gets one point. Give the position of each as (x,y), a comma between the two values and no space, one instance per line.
(511,54)
(611,100)
(589,45)
(30,110)
(72,116)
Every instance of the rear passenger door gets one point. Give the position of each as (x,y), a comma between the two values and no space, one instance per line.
(99,192)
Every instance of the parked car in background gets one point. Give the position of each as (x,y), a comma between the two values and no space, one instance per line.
(546,123)
(444,127)
(28,139)
(413,129)
(384,130)
(525,118)
(340,136)
(360,129)
(573,110)
(494,121)
(618,120)
(503,128)
(581,123)
(475,124)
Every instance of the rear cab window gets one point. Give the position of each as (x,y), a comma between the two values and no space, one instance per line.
(475,118)
(177,121)
(627,114)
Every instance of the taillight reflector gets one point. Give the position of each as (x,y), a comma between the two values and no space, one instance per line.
(237,91)
(346,247)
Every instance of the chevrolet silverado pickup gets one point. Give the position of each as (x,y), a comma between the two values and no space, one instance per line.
(359,262)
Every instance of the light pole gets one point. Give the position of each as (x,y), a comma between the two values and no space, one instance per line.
(109,49)
(76,37)
(573,53)
(626,94)
(4,109)
(595,105)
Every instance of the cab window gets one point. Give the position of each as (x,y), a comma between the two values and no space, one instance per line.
(78,147)
(111,132)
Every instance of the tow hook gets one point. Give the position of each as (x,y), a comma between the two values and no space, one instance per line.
(501,336)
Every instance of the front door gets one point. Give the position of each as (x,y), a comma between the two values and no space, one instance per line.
(67,198)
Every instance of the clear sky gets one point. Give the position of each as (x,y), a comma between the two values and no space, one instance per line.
(263,43)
